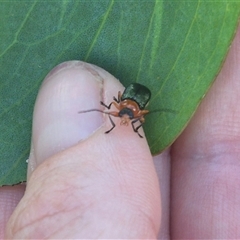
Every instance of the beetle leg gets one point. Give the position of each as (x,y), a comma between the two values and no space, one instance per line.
(119,96)
(106,106)
(141,114)
(136,129)
(113,125)
(118,100)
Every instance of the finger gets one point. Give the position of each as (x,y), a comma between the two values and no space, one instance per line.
(84,183)
(205,169)
(68,88)
(162,165)
(9,198)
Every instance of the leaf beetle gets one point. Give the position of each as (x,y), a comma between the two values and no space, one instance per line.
(130,106)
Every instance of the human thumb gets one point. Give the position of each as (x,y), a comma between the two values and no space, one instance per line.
(83,183)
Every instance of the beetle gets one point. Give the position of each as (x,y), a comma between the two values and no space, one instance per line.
(130,106)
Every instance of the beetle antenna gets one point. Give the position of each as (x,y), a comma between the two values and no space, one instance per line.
(91,110)
(163,110)
(95,110)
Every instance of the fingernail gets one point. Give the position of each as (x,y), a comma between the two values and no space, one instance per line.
(69,88)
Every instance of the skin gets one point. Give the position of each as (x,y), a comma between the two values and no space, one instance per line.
(83,183)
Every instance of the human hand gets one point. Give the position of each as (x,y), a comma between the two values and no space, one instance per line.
(106,186)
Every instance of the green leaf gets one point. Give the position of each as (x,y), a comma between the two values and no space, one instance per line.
(176,48)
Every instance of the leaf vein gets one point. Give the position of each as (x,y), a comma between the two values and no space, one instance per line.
(99,30)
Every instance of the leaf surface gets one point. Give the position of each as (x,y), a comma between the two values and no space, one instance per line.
(175,48)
